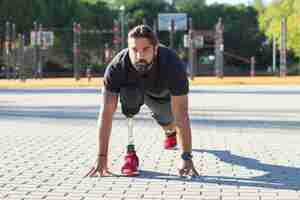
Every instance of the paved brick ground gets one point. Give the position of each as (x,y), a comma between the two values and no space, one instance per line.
(245,146)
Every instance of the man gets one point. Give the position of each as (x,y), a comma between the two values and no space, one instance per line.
(151,74)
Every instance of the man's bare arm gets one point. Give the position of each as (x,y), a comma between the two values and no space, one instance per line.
(110,101)
(179,105)
(108,108)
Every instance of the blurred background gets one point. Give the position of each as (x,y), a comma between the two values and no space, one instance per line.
(77,38)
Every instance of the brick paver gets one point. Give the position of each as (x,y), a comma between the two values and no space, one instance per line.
(245,146)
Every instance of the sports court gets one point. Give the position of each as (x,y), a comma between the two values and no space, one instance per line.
(245,146)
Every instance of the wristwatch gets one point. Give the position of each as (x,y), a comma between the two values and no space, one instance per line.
(186,156)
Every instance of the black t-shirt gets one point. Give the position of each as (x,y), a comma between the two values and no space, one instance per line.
(166,77)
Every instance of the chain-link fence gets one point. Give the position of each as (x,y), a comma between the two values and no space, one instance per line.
(77,51)
(55,52)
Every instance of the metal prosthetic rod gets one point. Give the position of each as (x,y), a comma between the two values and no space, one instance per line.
(131,160)
(131,99)
(130,146)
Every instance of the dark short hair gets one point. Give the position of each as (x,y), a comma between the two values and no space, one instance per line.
(143,31)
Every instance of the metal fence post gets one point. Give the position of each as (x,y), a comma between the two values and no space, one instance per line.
(13,49)
(252,70)
(219,49)
(155,26)
(122,9)
(283,67)
(7,49)
(22,58)
(116,37)
(172,32)
(76,50)
(191,49)
(299,66)
(274,55)
(35,47)
(40,53)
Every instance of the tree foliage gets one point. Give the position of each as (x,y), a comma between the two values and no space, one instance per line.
(189,5)
(270,22)
(244,35)
(22,13)
(63,13)
(258,5)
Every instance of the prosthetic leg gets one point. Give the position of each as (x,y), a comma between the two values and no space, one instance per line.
(131,101)
(131,160)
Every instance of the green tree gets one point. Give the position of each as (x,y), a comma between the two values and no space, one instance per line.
(23,13)
(242,36)
(101,15)
(270,22)
(139,10)
(100,18)
(64,13)
(259,6)
(189,5)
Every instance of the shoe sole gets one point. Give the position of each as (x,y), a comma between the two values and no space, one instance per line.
(130,174)
(171,148)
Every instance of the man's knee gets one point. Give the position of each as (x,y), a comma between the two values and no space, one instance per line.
(163,118)
(169,127)
(161,109)
(131,98)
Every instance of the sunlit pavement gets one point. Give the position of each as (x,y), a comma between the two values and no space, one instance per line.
(245,146)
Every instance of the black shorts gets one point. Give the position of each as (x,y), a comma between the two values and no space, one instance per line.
(132,99)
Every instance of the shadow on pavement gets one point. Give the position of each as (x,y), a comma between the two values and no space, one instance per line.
(91,113)
(275,177)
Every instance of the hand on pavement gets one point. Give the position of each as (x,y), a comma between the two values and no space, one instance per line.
(187,168)
(100,167)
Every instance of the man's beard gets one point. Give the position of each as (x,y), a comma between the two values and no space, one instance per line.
(142,66)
